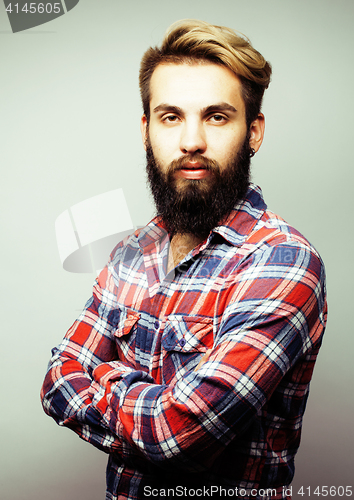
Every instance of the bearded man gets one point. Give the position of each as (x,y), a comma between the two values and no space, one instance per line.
(190,365)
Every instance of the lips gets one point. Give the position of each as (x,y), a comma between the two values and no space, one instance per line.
(193,170)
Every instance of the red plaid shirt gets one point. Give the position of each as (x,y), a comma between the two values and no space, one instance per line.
(126,376)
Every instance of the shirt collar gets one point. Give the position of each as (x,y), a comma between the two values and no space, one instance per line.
(243,217)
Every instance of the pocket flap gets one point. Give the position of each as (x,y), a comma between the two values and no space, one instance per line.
(188,334)
(127,319)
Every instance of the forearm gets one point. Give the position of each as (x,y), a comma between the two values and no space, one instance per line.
(67,397)
(182,427)
(187,424)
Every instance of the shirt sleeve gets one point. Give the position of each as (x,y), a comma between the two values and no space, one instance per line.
(67,389)
(272,318)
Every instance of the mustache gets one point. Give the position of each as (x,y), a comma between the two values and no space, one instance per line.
(203,162)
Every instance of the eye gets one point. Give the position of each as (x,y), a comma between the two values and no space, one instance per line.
(218,118)
(170,119)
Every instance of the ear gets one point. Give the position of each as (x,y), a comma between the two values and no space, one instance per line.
(144,130)
(257,132)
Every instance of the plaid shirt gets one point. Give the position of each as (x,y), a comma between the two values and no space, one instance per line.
(127,377)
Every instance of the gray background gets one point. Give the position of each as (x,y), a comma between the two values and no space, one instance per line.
(69,119)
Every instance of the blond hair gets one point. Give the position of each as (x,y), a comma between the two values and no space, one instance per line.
(190,41)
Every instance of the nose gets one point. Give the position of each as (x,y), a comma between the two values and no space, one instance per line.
(193,138)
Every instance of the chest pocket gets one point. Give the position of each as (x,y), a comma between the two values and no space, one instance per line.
(188,334)
(124,331)
(126,322)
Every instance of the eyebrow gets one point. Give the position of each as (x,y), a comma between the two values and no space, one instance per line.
(167,108)
(221,106)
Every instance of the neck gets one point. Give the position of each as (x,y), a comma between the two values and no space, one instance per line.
(181,245)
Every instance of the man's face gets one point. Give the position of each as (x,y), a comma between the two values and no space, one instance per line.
(196,134)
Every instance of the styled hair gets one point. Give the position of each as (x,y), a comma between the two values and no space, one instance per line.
(190,41)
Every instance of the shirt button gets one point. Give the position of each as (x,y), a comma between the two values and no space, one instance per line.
(182,342)
(157,325)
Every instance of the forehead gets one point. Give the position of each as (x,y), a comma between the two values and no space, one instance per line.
(193,86)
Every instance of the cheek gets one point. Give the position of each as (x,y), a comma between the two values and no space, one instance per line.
(224,149)
(164,147)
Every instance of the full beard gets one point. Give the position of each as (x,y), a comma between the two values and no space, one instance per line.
(198,205)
